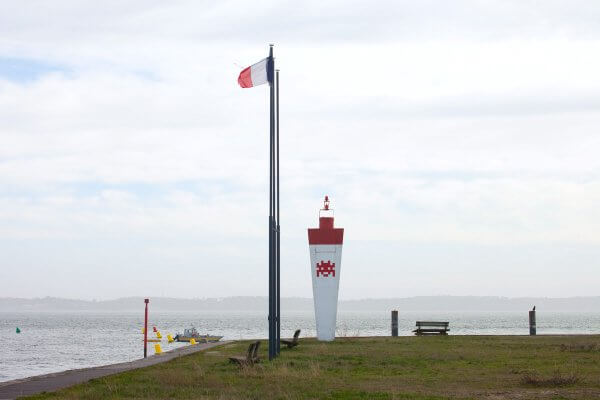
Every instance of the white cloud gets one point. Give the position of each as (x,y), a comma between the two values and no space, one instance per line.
(428,123)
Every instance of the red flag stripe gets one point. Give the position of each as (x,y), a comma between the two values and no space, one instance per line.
(245,78)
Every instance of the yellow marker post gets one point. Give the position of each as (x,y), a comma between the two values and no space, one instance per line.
(192,341)
(157,349)
(170,338)
(158,335)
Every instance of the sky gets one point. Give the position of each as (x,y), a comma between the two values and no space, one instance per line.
(458,141)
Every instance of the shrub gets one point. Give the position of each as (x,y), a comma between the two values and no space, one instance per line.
(557,379)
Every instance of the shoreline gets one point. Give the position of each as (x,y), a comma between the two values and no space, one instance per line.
(418,367)
(182,350)
(59,380)
(185,350)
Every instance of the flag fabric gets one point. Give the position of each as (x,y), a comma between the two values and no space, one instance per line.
(257,74)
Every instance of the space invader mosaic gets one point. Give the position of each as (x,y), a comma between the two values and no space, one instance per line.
(325,269)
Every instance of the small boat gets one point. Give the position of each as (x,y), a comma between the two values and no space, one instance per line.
(192,333)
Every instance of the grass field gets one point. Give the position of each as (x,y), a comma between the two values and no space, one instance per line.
(416,368)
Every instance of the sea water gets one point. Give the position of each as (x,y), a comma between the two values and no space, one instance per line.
(52,342)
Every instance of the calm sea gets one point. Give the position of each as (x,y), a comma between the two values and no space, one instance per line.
(52,342)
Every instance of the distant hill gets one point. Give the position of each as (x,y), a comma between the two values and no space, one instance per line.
(419,303)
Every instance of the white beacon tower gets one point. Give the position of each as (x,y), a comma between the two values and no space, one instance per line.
(325,244)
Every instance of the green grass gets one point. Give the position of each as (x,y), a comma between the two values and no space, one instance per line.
(408,368)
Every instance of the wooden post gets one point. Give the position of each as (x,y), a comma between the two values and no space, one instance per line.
(394,323)
(532,330)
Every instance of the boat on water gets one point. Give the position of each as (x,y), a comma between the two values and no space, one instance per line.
(192,333)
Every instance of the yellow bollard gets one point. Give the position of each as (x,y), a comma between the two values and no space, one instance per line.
(192,341)
(158,335)
(143,330)
(157,349)
(170,338)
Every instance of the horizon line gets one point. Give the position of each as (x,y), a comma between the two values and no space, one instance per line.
(299,297)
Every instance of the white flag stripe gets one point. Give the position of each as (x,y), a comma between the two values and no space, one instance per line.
(259,72)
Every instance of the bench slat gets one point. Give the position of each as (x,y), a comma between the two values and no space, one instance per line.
(432,323)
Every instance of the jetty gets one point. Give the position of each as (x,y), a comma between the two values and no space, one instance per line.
(55,381)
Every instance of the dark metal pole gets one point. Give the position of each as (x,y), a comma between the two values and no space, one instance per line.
(146,329)
(278,311)
(270,70)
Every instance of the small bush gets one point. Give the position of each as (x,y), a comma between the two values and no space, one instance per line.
(557,379)
(585,347)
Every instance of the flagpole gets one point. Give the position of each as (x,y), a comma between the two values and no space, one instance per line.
(249,77)
(278,261)
(272,238)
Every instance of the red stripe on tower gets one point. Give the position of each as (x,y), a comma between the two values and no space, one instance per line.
(325,233)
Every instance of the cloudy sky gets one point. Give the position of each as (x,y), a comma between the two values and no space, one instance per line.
(459,142)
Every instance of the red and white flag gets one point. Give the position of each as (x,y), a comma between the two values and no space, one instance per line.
(256,74)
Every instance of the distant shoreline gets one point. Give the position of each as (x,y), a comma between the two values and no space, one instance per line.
(255,303)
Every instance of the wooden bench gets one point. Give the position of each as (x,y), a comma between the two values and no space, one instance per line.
(292,343)
(251,356)
(432,328)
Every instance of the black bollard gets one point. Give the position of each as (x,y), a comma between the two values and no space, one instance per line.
(394,323)
(532,330)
